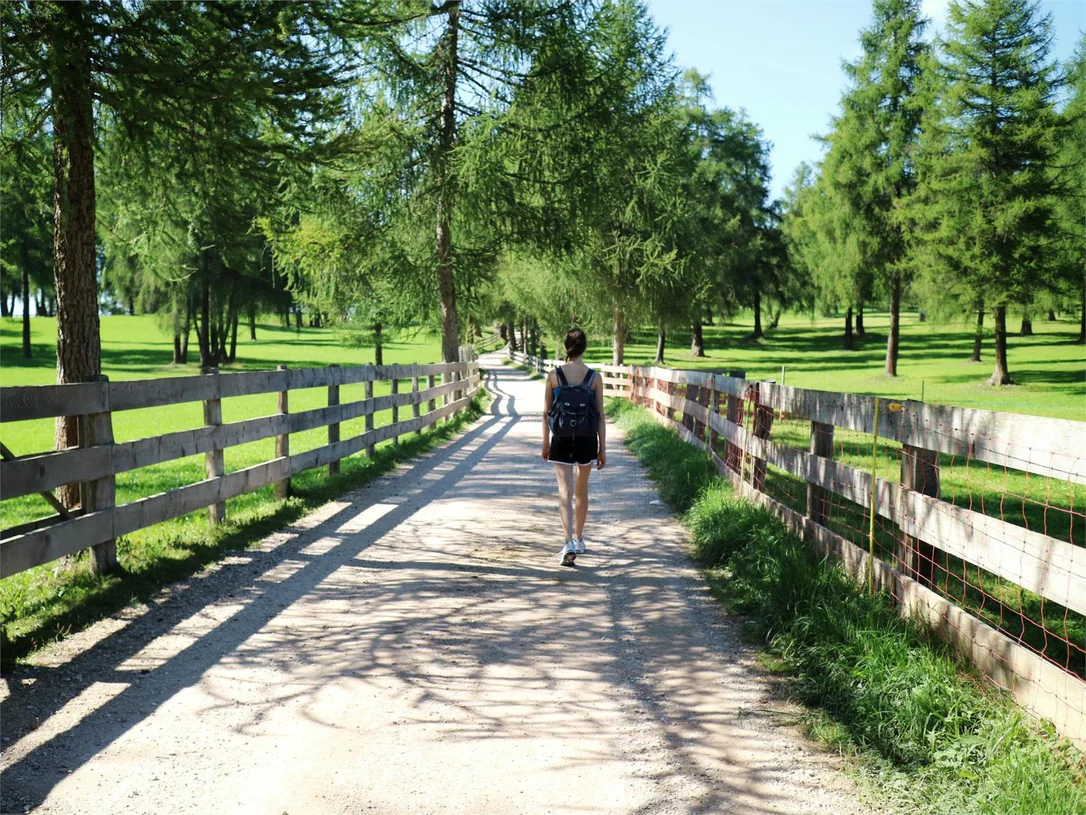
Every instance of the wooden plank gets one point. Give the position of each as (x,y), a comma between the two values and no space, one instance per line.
(322,455)
(99,495)
(24,402)
(369,418)
(333,427)
(416,398)
(40,523)
(821,445)
(144,393)
(849,411)
(214,464)
(676,402)
(23,552)
(1043,565)
(395,410)
(1054,448)
(37,474)
(282,443)
(133,455)
(175,503)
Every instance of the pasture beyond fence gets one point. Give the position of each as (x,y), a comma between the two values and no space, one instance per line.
(96,523)
(973,521)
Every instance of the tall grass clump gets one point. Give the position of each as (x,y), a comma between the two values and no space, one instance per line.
(931,735)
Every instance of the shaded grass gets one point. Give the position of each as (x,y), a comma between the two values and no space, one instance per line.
(49,602)
(930,734)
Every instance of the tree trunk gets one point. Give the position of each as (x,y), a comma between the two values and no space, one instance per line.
(233,336)
(450,328)
(1082,318)
(1052,315)
(661,339)
(511,335)
(922,316)
(252,323)
(4,310)
(79,347)
(895,324)
(618,343)
(378,345)
(186,331)
(709,317)
(775,320)
(849,339)
(203,329)
(978,336)
(176,347)
(26,303)
(860,319)
(757,335)
(1001,376)
(39,302)
(1027,326)
(298,319)
(697,344)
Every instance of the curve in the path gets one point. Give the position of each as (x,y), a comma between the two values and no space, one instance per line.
(415,648)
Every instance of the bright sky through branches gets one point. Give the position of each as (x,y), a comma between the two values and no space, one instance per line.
(781,59)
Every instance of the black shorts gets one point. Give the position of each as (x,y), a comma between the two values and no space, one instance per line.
(575,450)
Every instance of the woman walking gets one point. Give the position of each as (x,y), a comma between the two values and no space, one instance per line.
(574,438)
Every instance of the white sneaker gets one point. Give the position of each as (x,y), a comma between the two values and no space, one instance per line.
(568,554)
(578,546)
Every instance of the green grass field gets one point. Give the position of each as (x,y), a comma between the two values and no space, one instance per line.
(41,603)
(1050,366)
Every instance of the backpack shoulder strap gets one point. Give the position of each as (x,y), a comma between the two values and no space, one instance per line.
(561,376)
(588,377)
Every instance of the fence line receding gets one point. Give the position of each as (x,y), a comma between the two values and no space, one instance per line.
(97,522)
(972,520)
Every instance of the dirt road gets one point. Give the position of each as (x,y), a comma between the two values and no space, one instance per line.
(415,648)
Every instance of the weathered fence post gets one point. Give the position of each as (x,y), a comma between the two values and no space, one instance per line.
(214,465)
(282,441)
(395,409)
(711,436)
(733,453)
(333,427)
(96,431)
(818,497)
(763,423)
(431,383)
(370,448)
(920,473)
(416,408)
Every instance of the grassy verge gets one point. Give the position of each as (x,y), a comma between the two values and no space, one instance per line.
(928,733)
(51,601)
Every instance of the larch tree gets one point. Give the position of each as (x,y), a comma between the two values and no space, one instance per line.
(987,159)
(148,64)
(873,143)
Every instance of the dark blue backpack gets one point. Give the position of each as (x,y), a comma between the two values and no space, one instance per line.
(573,411)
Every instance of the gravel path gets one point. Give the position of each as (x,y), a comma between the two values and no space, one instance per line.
(414,648)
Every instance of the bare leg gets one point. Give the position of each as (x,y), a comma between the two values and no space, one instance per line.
(581,498)
(565,496)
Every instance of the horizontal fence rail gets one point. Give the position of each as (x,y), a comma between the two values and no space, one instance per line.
(98,522)
(972,520)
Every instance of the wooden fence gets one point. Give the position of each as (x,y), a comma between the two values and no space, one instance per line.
(97,522)
(732,419)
